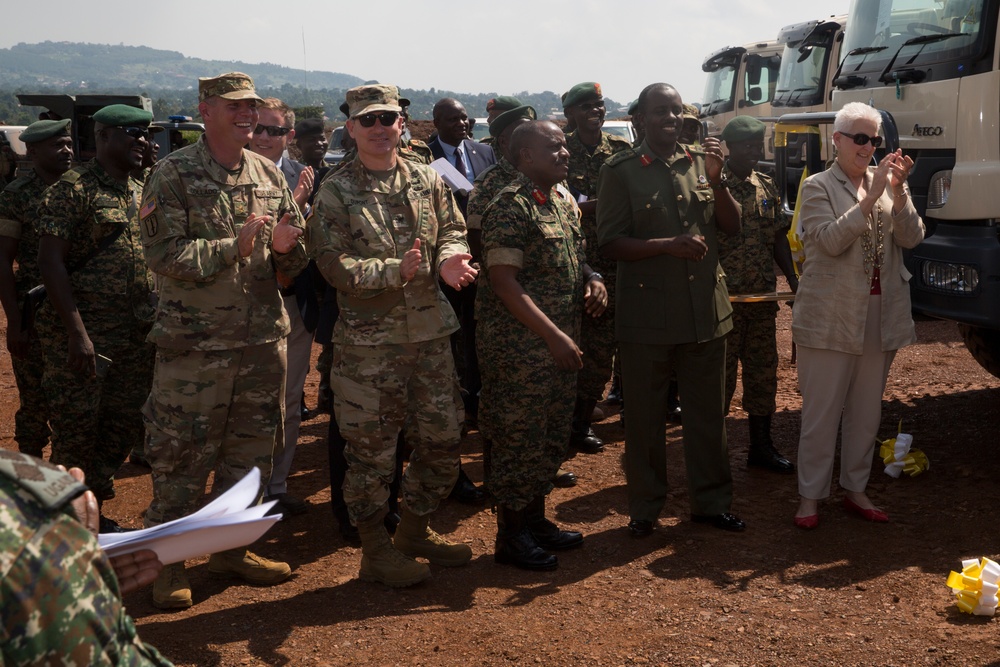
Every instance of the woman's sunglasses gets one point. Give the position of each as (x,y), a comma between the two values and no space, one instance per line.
(861,139)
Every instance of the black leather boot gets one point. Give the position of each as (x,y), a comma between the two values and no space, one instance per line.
(516,545)
(547,534)
(582,437)
(762,452)
(465,491)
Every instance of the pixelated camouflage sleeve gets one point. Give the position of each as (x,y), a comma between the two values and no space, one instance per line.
(165,236)
(503,231)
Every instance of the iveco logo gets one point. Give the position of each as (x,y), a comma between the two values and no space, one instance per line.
(935,131)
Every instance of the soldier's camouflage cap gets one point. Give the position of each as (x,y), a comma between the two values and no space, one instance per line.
(502,103)
(690,111)
(377,97)
(504,120)
(582,92)
(229,86)
(41,130)
(122,115)
(743,128)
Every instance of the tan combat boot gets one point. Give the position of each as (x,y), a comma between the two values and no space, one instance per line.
(171,589)
(249,566)
(381,562)
(414,538)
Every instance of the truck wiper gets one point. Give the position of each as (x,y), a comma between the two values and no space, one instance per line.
(850,81)
(922,41)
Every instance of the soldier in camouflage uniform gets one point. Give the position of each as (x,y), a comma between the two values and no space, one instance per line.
(748,258)
(383,231)
(50,149)
(98,304)
(589,148)
(60,601)
(529,311)
(218,223)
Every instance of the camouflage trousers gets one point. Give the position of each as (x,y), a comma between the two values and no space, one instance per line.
(31,421)
(377,389)
(526,409)
(751,344)
(218,410)
(597,342)
(96,421)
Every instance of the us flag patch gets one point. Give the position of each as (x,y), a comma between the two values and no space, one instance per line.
(147,208)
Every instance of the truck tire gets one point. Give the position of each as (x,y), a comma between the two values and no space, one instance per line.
(984,345)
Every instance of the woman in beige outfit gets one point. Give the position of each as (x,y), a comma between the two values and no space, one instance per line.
(852,308)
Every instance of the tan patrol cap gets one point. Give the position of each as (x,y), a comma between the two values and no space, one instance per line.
(366,99)
(229,86)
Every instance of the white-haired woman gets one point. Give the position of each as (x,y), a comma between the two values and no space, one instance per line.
(852,308)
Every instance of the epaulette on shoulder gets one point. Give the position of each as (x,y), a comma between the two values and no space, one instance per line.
(481,176)
(419,144)
(18,183)
(73,175)
(615,139)
(694,149)
(622,156)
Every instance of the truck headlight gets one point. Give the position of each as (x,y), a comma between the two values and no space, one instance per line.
(938,189)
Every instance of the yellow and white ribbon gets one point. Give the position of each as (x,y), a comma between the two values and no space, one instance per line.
(898,457)
(976,586)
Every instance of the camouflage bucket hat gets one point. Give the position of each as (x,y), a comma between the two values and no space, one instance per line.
(230,86)
(366,99)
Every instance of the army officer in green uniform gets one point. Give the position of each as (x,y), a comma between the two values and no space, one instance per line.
(662,206)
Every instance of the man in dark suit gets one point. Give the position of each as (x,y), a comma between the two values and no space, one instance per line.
(469,158)
(273,134)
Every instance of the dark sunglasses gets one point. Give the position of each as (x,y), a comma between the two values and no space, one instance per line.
(387,119)
(862,139)
(135,132)
(272,130)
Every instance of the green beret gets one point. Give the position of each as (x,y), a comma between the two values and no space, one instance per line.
(502,103)
(503,121)
(743,128)
(582,92)
(308,127)
(41,130)
(633,108)
(122,115)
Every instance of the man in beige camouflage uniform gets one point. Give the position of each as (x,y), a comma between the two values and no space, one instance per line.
(383,231)
(218,223)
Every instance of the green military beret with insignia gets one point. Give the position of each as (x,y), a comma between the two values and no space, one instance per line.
(582,92)
(502,103)
(122,115)
(41,130)
(308,127)
(503,121)
(367,99)
(743,128)
(229,86)
(633,108)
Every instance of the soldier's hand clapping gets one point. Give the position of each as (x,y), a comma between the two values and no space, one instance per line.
(285,236)
(457,272)
(411,262)
(248,233)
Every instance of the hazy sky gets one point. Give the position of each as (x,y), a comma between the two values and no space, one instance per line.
(504,47)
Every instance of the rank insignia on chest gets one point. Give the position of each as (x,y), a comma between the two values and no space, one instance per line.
(539,196)
(645,160)
(702,180)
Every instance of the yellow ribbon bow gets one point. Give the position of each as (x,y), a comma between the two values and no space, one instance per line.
(976,586)
(898,457)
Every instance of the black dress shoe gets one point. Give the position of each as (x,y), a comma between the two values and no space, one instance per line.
(564,479)
(641,527)
(466,492)
(523,551)
(769,458)
(724,521)
(550,537)
(674,414)
(583,439)
(106,525)
(305,413)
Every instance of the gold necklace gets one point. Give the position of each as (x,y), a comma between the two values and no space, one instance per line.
(873,252)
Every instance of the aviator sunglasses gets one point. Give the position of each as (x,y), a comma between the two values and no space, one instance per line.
(387,118)
(861,139)
(272,130)
(135,132)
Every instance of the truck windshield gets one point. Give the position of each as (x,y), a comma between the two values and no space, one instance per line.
(720,89)
(802,76)
(917,33)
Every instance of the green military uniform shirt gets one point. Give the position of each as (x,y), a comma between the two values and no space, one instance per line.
(83,207)
(192,211)
(59,598)
(19,203)
(488,185)
(664,299)
(359,230)
(748,257)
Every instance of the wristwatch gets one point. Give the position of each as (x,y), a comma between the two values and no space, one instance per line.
(597,275)
(721,185)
